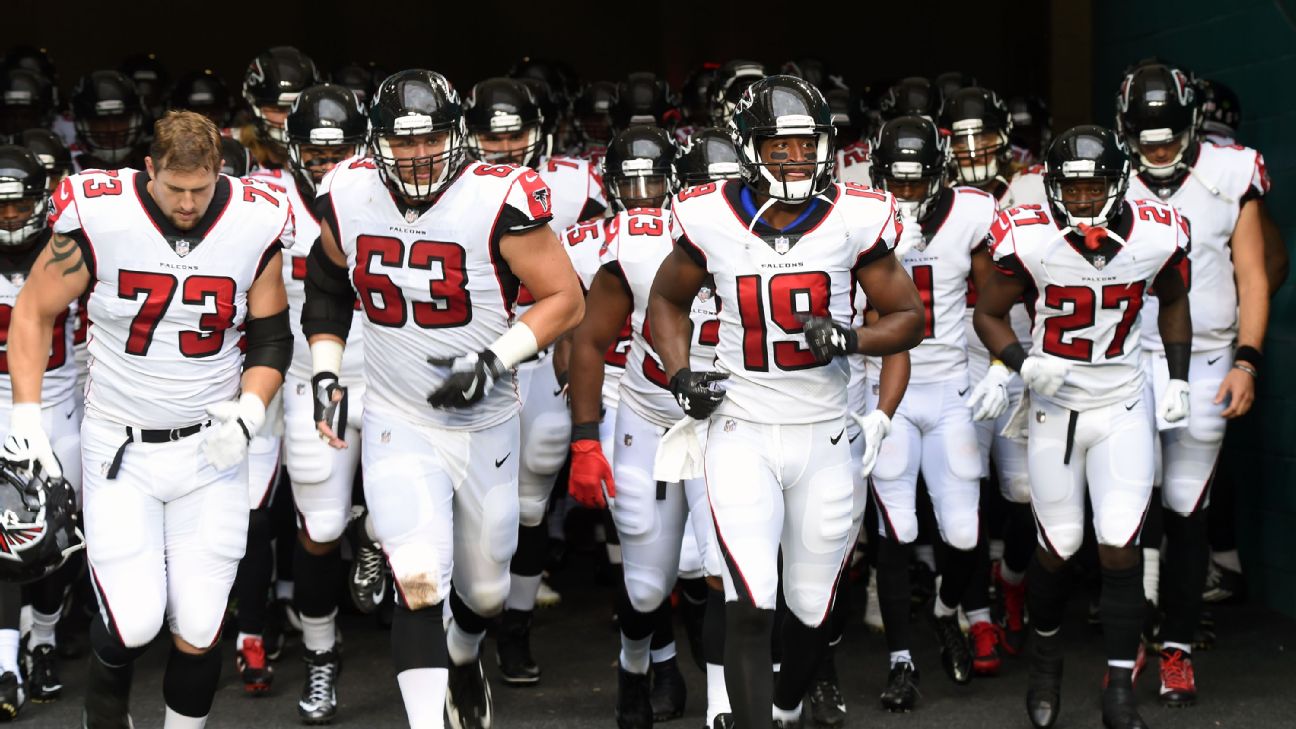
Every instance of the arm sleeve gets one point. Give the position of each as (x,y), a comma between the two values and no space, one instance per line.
(269,342)
(330,300)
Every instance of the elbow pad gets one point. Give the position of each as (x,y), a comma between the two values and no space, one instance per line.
(330,300)
(269,342)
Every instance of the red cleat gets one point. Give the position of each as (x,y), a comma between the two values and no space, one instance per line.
(985,649)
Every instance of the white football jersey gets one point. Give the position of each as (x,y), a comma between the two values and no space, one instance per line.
(166,306)
(577,190)
(294,278)
(1027,188)
(854,163)
(1089,311)
(432,284)
(638,241)
(1211,197)
(770,279)
(959,221)
(60,377)
(585,243)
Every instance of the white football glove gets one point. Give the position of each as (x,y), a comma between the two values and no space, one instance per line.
(1174,401)
(911,236)
(226,441)
(989,399)
(1044,375)
(875,426)
(27,443)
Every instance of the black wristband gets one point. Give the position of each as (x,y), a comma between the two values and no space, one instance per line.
(584,431)
(852,340)
(1250,355)
(1013,355)
(1178,355)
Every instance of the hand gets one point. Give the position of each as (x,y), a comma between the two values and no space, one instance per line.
(590,482)
(471,377)
(1044,375)
(989,398)
(1174,401)
(226,441)
(330,408)
(875,427)
(827,339)
(698,393)
(911,237)
(1238,388)
(27,443)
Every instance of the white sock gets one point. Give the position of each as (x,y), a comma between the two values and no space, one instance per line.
(522,592)
(369,527)
(778,668)
(319,634)
(635,654)
(1047,633)
(1152,575)
(979,616)
(423,691)
(614,553)
(9,652)
(900,657)
(1121,664)
(926,554)
(283,590)
(789,716)
(180,721)
(1009,575)
(462,645)
(941,610)
(665,653)
(1187,649)
(42,628)
(238,644)
(1228,560)
(717,693)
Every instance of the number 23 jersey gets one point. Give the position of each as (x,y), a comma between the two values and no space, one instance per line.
(767,281)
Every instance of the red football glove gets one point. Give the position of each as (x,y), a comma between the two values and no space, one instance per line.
(591,475)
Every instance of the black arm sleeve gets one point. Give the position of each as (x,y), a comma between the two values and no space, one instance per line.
(330,300)
(1178,355)
(1013,355)
(269,342)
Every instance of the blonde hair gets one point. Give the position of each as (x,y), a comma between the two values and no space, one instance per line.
(185,141)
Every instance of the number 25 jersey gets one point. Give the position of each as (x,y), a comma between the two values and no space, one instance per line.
(769,280)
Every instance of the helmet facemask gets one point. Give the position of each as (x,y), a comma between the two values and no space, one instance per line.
(976,152)
(440,168)
(14,233)
(908,173)
(639,185)
(1095,210)
(773,172)
(536,144)
(328,148)
(120,139)
(1157,137)
(275,132)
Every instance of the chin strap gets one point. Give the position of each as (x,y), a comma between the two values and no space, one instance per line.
(1210,186)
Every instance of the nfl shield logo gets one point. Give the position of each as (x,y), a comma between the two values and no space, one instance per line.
(1100,262)
(411,215)
(782,244)
(182,248)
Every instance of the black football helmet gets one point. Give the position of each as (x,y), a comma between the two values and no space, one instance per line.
(731,81)
(1221,109)
(816,72)
(642,98)
(592,113)
(50,150)
(843,106)
(1032,125)
(506,107)
(952,81)
(979,127)
(205,93)
(26,100)
(413,103)
(560,80)
(784,106)
(1087,152)
(24,197)
(235,158)
(639,168)
(33,59)
(151,80)
(274,78)
(707,156)
(911,149)
(912,96)
(108,114)
(361,78)
(326,115)
(38,523)
(695,100)
(1157,105)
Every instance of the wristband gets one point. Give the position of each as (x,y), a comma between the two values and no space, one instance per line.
(585,431)
(1013,355)
(326,356)
(1250,355)
(516,345)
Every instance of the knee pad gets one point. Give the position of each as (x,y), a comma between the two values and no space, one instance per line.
(308,458)
(810,602)
(322,525)
(199,627)
(532,503)
(136,625)
(500,525)
(545,446)
(416,568)
(961,532)
(635,508)
(900,524)
(646,591)
(1063,542)
(485,597)
(1015,487)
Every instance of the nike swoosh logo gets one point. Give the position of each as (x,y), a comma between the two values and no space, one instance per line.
(837,438)
(1131,405)
(1213,361)
(964,391)
(500,462)
(557,392)
(853,438)
(68,415)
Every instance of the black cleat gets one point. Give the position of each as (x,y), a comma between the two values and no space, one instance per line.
(368,578)
(668,691)
(107,697)
(956,656)
(318,703)
(901,692)
(827,707)
(1044,685)
(634,700)
(12,697)
(42,666)
(468,698)
(723,721)
(513,649)
(787,723)
(1118,710)
(1222,584)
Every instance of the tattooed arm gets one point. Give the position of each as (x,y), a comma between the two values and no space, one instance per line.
(59,275)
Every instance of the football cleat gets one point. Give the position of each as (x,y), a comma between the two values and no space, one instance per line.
(1044,684)
(668,691)
(1178,686)
(513,649)
(901,692)
(468,698)
(42,669)
(318,703)
(12,696)
(827,707)
(253,667)
(368,579)
(634,700)
(956,658)
(1013,621)
(985,651)
(1118,710)
(1222,584)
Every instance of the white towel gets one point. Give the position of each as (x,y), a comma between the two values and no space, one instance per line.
(679,453)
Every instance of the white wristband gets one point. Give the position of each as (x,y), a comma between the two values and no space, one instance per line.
(516,345)
(25,413)
(326,356)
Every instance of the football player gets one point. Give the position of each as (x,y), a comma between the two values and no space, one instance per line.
(1086,262)
(695,104)
(592,119)
(642,98)
(50,150)
(785,246)
(436,265)
(731,80)
(911,96)
(151,80)
(1221,111)
(1032,129)
(205,93)
(1220,190)
(182,266)
(270,84)
(979,130)
(26,100)
(110,120)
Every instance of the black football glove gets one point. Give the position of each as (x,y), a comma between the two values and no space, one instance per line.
(827,339)
(698,393)
(471,377)
(328,411)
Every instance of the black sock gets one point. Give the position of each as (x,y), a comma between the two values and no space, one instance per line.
(283,525)
(893,592)
(465,617)
(1020,538)
(532,548)
(956,573)
(315,588)
(111,651)
(748,668)
(634,624)
(10,605)
(1122,611)
(713,628)
(976,593)
(663,625)
(189,684)
(418,638)
(1221,517)
(255,571)
(803,648)
(1184,576)
(1046,594)
(839,616)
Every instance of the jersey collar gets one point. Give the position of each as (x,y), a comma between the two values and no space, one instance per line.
(173,235)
